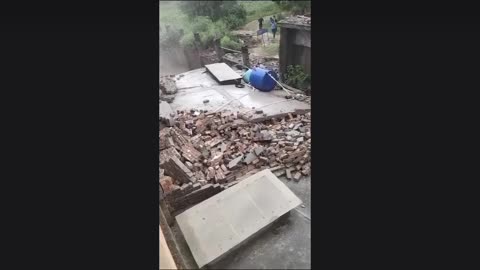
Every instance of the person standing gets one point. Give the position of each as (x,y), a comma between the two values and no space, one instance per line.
(260,23)
(274,29)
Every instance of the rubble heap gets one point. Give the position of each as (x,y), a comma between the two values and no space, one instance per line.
(298,19)
(168,89)
(204,153)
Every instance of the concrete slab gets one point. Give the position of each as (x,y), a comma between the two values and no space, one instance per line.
(166,112)
(194,78)
(222,72)
(285,245)
(224,221)
(197,85)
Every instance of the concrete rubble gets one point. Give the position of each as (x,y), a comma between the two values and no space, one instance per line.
(298,19)
(204,153)
(168,89)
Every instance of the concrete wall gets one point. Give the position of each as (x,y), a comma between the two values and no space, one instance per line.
(295,49)
(302,38)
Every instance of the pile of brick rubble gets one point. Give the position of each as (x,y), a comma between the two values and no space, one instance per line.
(205,152)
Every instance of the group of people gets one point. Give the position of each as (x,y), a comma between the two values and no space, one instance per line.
(273,24)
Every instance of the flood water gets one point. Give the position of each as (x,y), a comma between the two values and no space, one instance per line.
(172,61)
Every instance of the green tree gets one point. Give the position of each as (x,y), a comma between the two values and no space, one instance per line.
(297,7)
(234,13)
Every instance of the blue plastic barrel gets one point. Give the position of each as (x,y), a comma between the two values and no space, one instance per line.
(259,79)
(246,76)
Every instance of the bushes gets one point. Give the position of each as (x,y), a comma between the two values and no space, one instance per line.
(211,19)
(297,7)
(188,40)
(216,10)
(236,18)
(230,43)
(296,77)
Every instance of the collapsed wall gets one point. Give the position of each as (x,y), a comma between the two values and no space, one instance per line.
(205,153)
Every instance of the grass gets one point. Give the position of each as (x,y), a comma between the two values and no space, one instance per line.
(171,14)
(272,48)
(257,9)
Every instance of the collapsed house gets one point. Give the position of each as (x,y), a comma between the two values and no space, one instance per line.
(222,147)
(215,136)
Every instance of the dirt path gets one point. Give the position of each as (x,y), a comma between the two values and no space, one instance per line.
(269,47)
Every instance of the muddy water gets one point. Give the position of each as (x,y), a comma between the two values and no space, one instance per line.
(173,61)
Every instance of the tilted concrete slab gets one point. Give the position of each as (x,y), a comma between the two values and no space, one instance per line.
(222,72)
(222,222)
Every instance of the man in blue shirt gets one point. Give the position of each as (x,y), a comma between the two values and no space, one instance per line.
(274,28)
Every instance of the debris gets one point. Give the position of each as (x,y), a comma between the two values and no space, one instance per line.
(234,162)
(250,158)
(167,184)
(167,98)
(289,173)
(176,169)
(225,146)
(297,176)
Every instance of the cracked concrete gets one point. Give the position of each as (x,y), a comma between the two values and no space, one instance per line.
(198,85)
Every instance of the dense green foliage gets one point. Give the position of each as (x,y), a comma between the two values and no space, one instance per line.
(230,42)
(215,19)
(211,19)
(233,14)
(260,9)
(297,7)
(296,77)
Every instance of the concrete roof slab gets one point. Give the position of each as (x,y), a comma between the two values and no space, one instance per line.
(222,222)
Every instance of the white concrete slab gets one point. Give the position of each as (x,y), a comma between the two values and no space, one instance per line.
(198,85)
(222,72)
(222,222)
(195,78)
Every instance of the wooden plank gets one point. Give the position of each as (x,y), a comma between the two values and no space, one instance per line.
(222,72)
